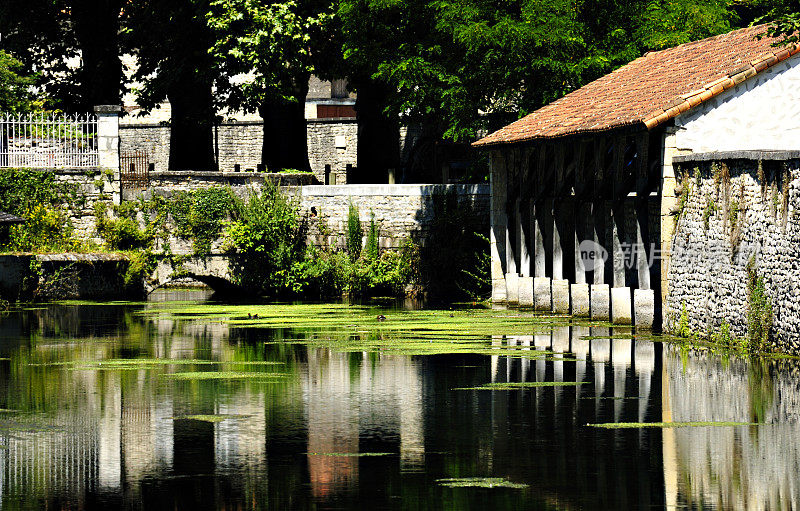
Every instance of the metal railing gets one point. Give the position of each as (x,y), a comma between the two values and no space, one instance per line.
(47,140)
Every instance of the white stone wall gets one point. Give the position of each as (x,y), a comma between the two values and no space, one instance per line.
(762,112)
(708,271)
(400,210)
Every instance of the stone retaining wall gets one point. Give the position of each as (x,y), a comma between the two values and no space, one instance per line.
(92,185)
(401,211)
(66,276)
(722,225)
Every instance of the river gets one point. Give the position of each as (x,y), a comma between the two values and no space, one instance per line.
(103,405)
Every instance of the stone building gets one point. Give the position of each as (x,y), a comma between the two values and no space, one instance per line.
(590,192)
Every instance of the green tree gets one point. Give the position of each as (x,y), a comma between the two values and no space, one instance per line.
(72,46)
(171,41)
(15,94)
(264,50)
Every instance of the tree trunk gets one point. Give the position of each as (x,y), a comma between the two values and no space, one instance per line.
(191,144)
(285,145)
(378,134)
(96,28)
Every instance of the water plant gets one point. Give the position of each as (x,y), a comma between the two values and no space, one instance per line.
(479,482)
(697,424)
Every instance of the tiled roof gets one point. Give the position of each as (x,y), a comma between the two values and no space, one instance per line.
(7,218)
(652,89)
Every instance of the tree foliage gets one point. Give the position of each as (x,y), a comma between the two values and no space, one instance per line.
(15,93)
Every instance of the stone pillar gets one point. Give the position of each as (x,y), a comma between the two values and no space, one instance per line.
(621,313)
(498,220)
(512,289)
(644,308)
(669,204)
(108,143)
(525,292)
(600,302)
(542,299)
(579,300)
(560,293)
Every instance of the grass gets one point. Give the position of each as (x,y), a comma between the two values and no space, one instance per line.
(479,482)
(522,385)
(628,425)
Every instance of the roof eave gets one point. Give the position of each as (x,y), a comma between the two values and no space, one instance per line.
(717,87)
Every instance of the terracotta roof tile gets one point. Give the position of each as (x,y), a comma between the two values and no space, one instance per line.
(672,81)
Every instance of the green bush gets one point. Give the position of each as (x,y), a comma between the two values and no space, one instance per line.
(121,232)
(759,311)
(372,248)
(39,198)
(199,215)
(355,233)
(45,229)
(266,243)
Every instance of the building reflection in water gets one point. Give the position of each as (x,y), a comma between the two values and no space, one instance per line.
(750,467)
(112,434)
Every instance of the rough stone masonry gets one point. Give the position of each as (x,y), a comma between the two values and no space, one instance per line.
(734,209)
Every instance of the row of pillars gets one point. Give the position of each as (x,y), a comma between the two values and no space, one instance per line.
(574,227)
(619,305)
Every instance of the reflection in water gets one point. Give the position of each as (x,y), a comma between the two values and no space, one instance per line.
(86,437)
(733,468)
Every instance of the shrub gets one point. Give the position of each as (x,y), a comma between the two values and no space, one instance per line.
(200,215)
(759,311)
(45,229)
(39,198)
(121,232)
(355,233)
(266,243)
(372,248)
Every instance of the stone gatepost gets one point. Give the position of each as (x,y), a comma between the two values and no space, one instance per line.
(108,144)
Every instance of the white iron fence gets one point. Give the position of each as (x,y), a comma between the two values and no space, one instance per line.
(48,140)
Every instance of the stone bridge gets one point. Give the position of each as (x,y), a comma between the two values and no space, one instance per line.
(212,270)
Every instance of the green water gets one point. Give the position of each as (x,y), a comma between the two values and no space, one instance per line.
(184,404)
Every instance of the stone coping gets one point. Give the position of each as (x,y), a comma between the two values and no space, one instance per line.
(217,176)
(737,155)
(70,256)
(313,120)
(390,190)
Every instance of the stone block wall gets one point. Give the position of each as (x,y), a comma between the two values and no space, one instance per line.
(723,224)
(92,185)
(240,143)
(330,142)
(401,211)
(333,143)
